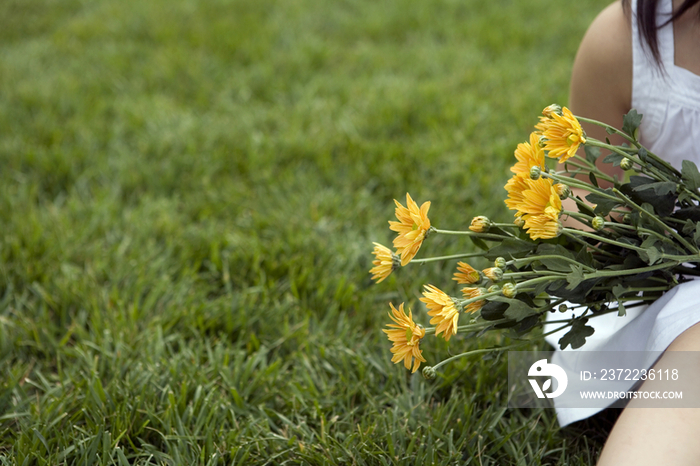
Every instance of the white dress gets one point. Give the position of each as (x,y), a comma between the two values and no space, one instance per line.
(668,97)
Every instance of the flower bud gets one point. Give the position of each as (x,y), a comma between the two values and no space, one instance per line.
(480,224)
(535,172)
(626,164)
(519,222)
(509,290)
(542,141)
(554,108)
(494,274)
(627,218)
(466,274)
(563,308)
(598,223)
(563,190)
(493,288)
(500,262)
(429,373)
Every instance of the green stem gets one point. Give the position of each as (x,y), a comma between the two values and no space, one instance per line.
(656,219)
(591,168)
(591,246)
(602,239)
(607,127)
(444,258)
(654,170)
(617,273)
(469,233)
(623,226)
(480,351)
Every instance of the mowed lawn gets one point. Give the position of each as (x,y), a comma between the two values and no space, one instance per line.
(189,195)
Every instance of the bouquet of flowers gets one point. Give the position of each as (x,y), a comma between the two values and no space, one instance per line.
(635,238)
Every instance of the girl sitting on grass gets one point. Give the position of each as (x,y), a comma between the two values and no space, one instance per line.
(645,54)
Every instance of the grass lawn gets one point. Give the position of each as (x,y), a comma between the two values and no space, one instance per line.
(190,191)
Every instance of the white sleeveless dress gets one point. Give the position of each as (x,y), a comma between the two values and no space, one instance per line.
(668,97)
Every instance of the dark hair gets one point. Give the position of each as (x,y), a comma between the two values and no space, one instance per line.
(646,21)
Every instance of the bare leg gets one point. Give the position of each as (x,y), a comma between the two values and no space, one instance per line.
(653,436)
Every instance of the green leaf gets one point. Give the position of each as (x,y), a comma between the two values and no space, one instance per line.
(594,180)
(688,213)
(527,323)
(663,204)
(510,248)
(555,264)
(575,277)
(493,310)
(631,122)
(614,159)
(650,255)
(690,174)
(517,310)
(643,155)
(603,205)
(479,243)
(576,337)
(649,242)
(583,208)
(696,236)
(660,188)
(619,290)
(688,227)
(592,153)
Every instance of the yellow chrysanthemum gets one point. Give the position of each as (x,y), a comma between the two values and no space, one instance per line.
(529,155)
(515,187)
(412,227)
(405,336)
(542,226)
(540,196)
(443,311)
(466,274)
(562,133)
(473,292)
(385,262)
(541,208)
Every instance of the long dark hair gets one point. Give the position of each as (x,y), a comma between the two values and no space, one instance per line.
(646,21)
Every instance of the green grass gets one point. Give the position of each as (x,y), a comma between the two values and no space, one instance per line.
(190,190)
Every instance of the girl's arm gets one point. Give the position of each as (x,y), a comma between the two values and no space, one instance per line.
(601,82)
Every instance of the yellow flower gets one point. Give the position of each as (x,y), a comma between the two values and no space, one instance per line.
(466,274)
(384,263)
(480,224)
(562,133)
(405,335)
(443,311)
(537,202)
(529,155)
(473,292)
(541,208)
(540,197)
(413,227)
(515,187)
(542,226)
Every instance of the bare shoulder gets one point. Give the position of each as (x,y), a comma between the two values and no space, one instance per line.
(601,81)
(608,40)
